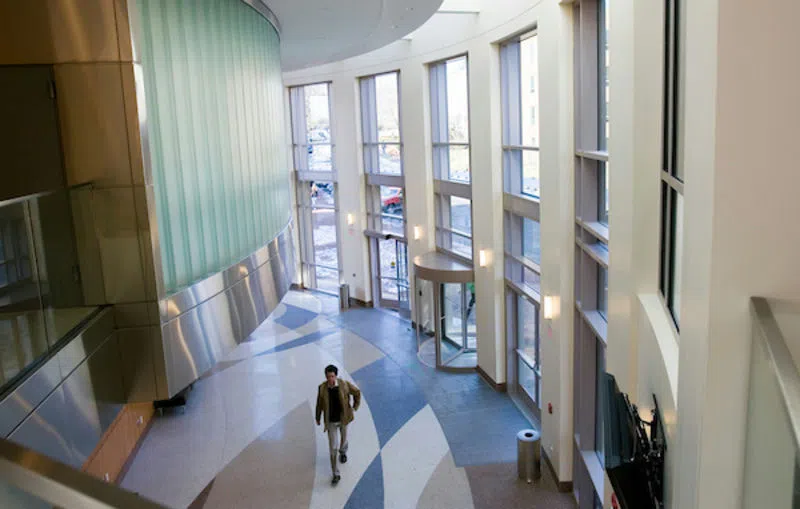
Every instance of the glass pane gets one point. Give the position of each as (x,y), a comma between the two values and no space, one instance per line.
(531,247)
(602,291)
(389,159)
(462,245)
(393,225)
(392,201)
(327,280)
(528,338)
(387,254)
(319,157)
(318,117)
(530,173)
(602,189)
(452,308)
(472,327)
(388,108)
(322,194)
(41,304)
(526,379)
(457,101)
(599,435)
(461,214)
(458,164)
(323,222)
(529,75)
(604,131)
(389,289)
(531,279)
(677,255)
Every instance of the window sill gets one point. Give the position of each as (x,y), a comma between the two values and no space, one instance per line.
(597,229)
(596,322)
(666,336)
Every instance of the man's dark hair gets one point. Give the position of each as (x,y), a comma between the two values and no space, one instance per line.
(331,369)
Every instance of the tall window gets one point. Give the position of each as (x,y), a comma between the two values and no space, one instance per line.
(592,132)
(520,95)
(315,184)
(671,170)
(383,164)
(451,156)
(520,102)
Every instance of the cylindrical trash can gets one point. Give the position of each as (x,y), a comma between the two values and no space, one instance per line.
(344,296)
(529,455)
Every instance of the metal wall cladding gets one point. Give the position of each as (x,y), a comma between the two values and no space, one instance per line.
(199,334)
(69,420)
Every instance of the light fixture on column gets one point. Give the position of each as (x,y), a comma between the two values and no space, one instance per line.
(551,307)
(418,232)
(485,257)
(351,219)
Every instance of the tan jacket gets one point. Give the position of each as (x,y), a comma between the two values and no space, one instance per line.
(346,389)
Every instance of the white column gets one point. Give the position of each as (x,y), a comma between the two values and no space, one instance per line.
(557,230)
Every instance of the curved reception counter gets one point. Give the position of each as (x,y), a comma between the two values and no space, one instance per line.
(450,341)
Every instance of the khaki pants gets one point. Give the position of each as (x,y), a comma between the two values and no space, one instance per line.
(337,443)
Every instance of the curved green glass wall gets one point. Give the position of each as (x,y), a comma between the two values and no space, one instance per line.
(215,118)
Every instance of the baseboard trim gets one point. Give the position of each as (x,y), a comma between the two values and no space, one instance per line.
(563,486)
(499,387)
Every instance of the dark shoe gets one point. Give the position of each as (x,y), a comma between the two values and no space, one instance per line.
(343,458)
(336,479)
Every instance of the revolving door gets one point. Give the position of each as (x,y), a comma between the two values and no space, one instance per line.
(444,313)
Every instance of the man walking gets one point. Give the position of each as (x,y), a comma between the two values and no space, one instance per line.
(333,402)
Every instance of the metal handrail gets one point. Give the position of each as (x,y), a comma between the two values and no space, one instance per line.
(780,358)
(61,485)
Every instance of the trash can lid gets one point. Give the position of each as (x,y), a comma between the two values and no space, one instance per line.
(528,435)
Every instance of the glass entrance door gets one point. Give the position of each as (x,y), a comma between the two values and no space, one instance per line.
(393,274)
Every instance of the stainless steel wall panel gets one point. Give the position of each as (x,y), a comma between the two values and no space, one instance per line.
(200,325)
(138,351)
(77,350)
(17,405)
(64,408)
(42,431)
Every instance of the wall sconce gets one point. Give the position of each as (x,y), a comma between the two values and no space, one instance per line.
(552,307)
(417,232)
(351,219)
(485,257)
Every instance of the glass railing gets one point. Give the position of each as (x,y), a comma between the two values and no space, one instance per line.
(31,480)
(772,455)
(43,294)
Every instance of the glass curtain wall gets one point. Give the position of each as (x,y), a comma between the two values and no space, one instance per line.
(592,131)
(449,91)
(385,193)
(451,156)
(221,196)
(316,186)
(519,68)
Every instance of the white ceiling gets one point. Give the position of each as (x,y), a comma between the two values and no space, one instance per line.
(315,32)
